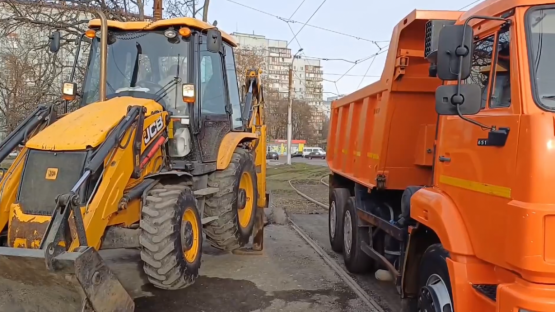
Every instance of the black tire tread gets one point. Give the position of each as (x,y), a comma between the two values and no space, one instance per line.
(341,196)
(434,262)
(357,261)
(224,233)
(160,230)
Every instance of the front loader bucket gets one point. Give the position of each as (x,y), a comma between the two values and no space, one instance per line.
(79,281)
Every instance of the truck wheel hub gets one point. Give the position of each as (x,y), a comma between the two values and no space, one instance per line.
(427,301)
(241,199)
(187,235)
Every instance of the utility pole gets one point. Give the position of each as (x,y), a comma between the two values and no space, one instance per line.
(157,9)
(290,109)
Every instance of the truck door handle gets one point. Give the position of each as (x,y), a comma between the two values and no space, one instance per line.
(444,159)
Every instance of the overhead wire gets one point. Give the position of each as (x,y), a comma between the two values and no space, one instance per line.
(289,25)
(470,4)
(311,16)
(321,58)
(366,72)
(300,5)
(361,61)
(352,75)
(288,20)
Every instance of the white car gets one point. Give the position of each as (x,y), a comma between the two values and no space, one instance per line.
(308,150)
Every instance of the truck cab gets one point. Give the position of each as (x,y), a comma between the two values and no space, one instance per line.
(445,178)
(494,155)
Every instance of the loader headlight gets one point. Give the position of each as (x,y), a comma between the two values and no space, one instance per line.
(181,143)
(170,33)
(188,90)
(69,90)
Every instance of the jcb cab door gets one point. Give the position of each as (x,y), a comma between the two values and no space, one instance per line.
(215,118)
(477,177)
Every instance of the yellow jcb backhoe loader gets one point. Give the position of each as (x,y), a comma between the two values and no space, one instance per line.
(160,151)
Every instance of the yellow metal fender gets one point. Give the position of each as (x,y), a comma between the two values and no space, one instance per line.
(229,143)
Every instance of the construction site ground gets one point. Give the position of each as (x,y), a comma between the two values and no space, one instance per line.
(290,275)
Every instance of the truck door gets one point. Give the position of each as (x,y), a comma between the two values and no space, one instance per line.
(477,177)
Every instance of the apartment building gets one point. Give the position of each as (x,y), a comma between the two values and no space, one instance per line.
(307,72)
(326,107)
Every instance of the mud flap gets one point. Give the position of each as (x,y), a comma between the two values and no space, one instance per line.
(79,281)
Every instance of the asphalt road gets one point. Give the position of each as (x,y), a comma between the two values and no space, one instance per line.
(289,276)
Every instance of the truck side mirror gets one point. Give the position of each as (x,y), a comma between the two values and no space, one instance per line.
(214,37)
(54,42)
(454,41)
(469,100)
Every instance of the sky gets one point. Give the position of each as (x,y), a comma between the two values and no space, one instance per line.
(369,20)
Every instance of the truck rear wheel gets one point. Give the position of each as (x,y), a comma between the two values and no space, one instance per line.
(355,259)
(234,204)
(435,285)
(171,236)
(338,201)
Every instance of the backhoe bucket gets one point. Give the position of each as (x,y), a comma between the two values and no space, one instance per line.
(78,281)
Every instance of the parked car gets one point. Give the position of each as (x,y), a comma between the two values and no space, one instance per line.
(308,150)
(296,154)
(316,155)
(272,155)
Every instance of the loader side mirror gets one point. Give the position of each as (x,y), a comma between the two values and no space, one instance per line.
(55,41)
(214,37)
(454,42)
(469,100)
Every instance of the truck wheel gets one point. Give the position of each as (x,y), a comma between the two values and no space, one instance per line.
(338,201)
(355,259)
(435,285)
(234,204)
(171,236)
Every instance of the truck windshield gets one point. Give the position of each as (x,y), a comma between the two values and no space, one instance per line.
(140,64)
(541,45)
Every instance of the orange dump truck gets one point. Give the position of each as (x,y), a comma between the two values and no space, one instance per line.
(441,182)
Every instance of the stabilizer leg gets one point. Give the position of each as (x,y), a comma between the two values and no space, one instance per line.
(258,237)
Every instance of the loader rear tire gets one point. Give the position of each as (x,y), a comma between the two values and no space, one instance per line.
(238,187)
(171,236)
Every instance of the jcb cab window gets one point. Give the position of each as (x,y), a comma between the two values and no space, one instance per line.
(213,100)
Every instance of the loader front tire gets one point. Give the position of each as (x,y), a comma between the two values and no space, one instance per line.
(171,236)
(234,204)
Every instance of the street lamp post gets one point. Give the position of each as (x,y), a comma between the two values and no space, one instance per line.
(290,109)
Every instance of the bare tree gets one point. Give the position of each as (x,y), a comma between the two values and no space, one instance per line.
(30,74)
(26,78)
(248,58)
(181,8)
(276,107)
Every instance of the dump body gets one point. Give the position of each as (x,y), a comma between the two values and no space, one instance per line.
(385,131)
